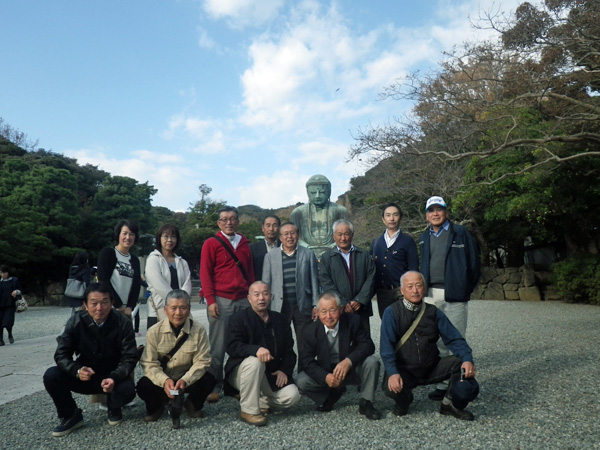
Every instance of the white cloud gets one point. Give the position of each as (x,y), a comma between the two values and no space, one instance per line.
(319,69)
(282,188)
(243,13)
(204,40)
(206,135)
(164,172)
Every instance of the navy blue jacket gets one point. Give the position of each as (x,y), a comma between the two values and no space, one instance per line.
(462,269)
(391,263)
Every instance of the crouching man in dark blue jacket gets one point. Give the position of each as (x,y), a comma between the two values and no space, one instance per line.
(410,330)
(103,343)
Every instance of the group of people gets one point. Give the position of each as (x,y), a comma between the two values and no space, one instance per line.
(254,293)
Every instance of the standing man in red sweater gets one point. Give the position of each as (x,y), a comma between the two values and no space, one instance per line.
(226,273)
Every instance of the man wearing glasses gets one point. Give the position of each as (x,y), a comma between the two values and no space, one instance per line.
(293,276)
(226,273)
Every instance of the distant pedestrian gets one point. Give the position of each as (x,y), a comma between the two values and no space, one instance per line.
(80,271)
(10,289)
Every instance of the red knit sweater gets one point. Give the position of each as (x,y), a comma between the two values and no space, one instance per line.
(219,275)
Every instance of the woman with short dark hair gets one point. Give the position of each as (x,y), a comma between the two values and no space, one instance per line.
(10,289)
(120,269)
(165,271)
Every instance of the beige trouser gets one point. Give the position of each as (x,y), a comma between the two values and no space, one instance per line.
(255,392)
(457,313)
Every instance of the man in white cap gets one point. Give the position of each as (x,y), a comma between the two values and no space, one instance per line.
(450,267)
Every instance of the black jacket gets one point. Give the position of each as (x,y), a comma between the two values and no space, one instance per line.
(248,332)
(6,289)
(355,344)
(259,250)
(107,260)
(333,276)
(110,350)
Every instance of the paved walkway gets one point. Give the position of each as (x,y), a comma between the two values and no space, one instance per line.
(23,363)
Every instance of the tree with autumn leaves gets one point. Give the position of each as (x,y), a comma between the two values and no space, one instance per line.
(507,130)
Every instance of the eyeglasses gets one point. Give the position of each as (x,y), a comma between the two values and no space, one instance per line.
(228,220)
(169,237)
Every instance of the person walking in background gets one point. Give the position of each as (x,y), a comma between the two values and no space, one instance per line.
(450,267)
(80,271)
(165,272)
(394,253)
(120,269)
(10,289)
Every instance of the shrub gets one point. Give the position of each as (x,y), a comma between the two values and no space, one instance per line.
(577,279)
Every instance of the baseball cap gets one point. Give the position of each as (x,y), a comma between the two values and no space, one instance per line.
(435,200)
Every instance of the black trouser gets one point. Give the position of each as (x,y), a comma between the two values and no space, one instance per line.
(300,321)
(60,384)
(155,396)
(151,321)
(385,298)
(448,367)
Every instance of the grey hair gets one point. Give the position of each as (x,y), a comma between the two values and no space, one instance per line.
(342,222)
(178,294)
(328,295)
(412,272)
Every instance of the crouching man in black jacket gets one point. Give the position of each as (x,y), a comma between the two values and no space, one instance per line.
(261,358)
(103,341)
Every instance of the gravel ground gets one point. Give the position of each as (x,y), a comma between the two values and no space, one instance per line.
(537,365)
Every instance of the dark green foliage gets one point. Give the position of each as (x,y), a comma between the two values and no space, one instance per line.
(577,279)
(51,208)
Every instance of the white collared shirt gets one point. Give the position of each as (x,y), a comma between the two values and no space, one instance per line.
(269,246)
(346,256)
(389,240)
(333,331)
(289,254)
(234,240)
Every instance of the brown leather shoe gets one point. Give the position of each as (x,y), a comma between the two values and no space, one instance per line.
(254,419)
(153,417)
(192,411)
(213,397)
(265,411)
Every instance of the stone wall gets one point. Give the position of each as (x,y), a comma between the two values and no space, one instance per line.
(512,283)
(54,296)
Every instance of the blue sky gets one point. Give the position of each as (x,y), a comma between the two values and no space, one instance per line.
(249,97)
